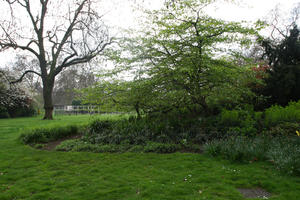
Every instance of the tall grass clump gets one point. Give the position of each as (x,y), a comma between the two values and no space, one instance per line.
(240,148)
(283,152)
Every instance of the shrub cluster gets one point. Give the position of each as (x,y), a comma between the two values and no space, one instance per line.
(266,136)
(136,132)
(43,135)
(283,152)
(276,120)
(138,135)
(238,122)
(278,114)
(238,135)
(17,111)
(3,112)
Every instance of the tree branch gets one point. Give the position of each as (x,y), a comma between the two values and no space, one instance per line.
(21,78)
(16,46)
(69,30)
(79,60)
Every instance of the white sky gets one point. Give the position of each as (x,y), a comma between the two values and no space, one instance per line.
(120,13)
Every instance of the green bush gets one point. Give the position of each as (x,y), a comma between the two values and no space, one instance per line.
(276,120)
(238,122)
(97,126)
(3,112)
(43,135)
(230,118)
(277,114)
(21,111)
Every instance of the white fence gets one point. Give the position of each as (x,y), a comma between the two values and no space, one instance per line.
(74,110)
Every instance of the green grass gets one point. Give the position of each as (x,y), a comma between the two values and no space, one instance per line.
(27,173)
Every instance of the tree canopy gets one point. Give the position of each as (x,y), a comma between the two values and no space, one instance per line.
(182,60)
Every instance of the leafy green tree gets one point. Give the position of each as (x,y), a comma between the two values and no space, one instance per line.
(181,55)
(119,95)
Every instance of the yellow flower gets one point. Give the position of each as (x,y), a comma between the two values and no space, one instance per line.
(298,133)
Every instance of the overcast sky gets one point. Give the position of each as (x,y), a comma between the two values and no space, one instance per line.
(120,13)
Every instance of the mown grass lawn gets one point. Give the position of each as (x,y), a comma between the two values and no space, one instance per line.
(27,173)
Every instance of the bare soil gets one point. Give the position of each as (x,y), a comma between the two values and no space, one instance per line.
(51,145)
(254,193)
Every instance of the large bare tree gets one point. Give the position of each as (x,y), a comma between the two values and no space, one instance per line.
(57,33)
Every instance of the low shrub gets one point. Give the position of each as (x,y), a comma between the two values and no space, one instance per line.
(283,129)
(230,118)
(240,148)
(43,135)
(161,147)
(136,149)
(277,114)
(195,148)
(135,132)
(238,122)
(79,145)
(283,152)
(22,111)
(97,126)
(3,112)
(68,145)
(276,120)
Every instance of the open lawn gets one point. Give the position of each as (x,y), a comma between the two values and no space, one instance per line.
(27,173)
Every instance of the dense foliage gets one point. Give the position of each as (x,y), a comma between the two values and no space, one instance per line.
(283,82)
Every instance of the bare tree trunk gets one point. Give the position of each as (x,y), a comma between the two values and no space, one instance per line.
(137,109)
(47,94)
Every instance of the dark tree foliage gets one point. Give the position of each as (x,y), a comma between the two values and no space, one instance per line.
(283,82)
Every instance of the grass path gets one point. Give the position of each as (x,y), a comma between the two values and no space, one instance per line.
(27,173)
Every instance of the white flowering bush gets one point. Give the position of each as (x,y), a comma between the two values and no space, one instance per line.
(13,100)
